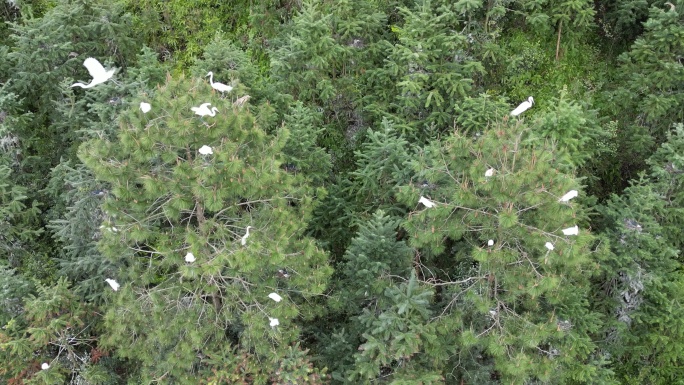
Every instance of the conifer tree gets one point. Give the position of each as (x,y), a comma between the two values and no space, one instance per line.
(640,289)
(427,71)
(649,97)
(381,166)
(373,263)
(193,284)
(666,171)
(511,289)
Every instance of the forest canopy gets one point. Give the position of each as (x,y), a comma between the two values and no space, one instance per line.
(341,192)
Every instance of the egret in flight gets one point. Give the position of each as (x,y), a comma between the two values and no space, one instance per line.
(524,106)
(203,110)
(189,258)
(275,297)
(571,230)
(428,203)
(243,241)
(569,195)
(220,87)
(145,107)
(113,284)
(97,71)
(205,150)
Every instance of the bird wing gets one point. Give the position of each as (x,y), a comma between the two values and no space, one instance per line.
(94,67)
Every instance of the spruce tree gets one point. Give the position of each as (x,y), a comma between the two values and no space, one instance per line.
(177,215)
(640,289)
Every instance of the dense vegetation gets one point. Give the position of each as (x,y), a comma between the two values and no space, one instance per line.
(356,110)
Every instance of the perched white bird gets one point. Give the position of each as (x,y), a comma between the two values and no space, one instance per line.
(205,150)
(273,322)
(145,107)
(524,106)
(490,242)
(189,257)
(275,297)
(428,203)
(489,172)
(203,110)
(113,284)
(220,87)
(570,194)
(571,230)
(45,366)
(243,241)
(97,71)
(549,245)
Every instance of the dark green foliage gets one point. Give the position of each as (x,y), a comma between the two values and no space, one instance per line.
(641,289)
(427,72)
(381,166)
(343,114)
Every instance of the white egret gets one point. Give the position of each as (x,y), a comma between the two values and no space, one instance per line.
(145,107)
(569,195)
(571,230)
(97,71)
(489,172)
(275,297)
(220,87)
(45,366)
(243,241)
(113,284)
(549,245)
(524,106)
(273,322)
(490,242)
(428,203)
(203,110)
(189,258)
(205,150)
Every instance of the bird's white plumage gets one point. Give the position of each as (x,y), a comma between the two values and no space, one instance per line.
(275,297)
(113,284)
(220,87)
(273,322)
(97,72)
(524,106)
(45,366)
(569,195)
(204,110)
(205,150)
(426,202)
(189,258)
(549,245)
(243,240)
(571,230)
(145,107)
(489,172)
(490,242)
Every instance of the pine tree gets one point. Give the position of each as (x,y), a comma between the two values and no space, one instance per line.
(209,311)
(513,289)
